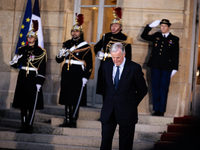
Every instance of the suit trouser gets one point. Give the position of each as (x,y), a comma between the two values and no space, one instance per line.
(126,135)
(160,81)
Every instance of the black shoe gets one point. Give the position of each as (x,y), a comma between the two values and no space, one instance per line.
(29,129)
(65,125)
(25,129)
(156,113)
(22,130)
(161,114)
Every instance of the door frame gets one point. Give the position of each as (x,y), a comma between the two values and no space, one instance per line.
(194,58)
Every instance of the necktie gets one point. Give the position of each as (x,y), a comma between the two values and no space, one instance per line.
(164,36)
(116,78)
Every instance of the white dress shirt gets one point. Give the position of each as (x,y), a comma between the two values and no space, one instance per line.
(166,34)
(121,67)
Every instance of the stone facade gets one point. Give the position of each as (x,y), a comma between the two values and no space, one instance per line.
(57,20)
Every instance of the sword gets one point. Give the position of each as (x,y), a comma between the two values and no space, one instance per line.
(36,97)
(79,100)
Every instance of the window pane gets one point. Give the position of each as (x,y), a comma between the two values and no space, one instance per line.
(110,2)
(108,17)
(89,2)
(90,23)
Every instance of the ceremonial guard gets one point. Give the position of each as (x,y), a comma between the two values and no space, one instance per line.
(75,72)
(163,61)
(101,49)
(28,93)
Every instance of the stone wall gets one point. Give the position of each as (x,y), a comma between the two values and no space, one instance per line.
(57,20)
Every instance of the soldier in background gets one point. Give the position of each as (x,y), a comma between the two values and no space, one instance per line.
(101,49)
(28,93)
(164,60)
(75,72)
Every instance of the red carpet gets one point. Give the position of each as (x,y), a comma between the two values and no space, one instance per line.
(183,134)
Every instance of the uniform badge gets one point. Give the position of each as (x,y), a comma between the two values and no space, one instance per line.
(157,38)
(155,44)
(32,57)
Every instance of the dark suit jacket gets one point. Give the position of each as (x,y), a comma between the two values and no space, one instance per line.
(165,52)
(130,91)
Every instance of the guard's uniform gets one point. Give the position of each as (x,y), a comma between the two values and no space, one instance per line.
(78,65)
(32,72)
(106,41)
(163,59)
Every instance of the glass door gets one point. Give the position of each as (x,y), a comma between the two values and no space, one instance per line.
(98,15)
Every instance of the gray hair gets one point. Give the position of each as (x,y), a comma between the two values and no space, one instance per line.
(116,46)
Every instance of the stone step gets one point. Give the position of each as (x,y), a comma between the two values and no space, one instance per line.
(46,140)
(81,132)
(85,113)
(91,125)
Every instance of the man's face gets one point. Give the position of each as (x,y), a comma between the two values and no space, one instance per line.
(117,57)
(76,34)
(115,28)
(164,28)
(31,40)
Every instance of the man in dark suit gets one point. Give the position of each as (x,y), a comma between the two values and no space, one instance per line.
(101,49)
(163,62)
(124,87)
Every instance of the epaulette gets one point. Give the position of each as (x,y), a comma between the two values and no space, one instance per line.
(129,40)
(21,47)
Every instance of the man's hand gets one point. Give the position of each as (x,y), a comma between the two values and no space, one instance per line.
(84,80)
(154,24)
(173,73)
(38,87)
(100,55)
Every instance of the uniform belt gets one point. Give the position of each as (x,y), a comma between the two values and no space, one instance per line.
(75,62)
(29,69)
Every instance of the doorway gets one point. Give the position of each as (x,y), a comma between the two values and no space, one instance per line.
(98,15)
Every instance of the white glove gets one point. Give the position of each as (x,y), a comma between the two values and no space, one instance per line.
(38,87)
(15,59)
(84,80)
(154,24)
(173,72)
(100,55)
(61,53)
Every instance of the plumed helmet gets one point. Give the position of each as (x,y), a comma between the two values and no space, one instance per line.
(117,13)
(79,22)
(33,31)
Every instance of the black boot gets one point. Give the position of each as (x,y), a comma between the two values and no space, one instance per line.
(73,123)
(66,124)
(23,121)
(29,129)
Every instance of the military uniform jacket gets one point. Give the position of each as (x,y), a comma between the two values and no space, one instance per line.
(25,92)
(72,74)
(165,52)
(106,41)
